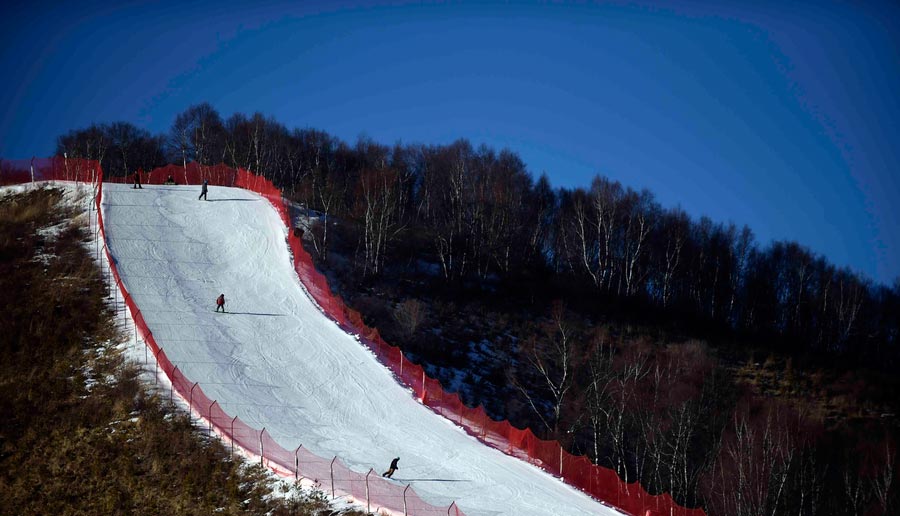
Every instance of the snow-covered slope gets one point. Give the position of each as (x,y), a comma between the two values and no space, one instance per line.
(277,362)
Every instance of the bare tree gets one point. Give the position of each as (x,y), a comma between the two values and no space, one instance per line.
(237,147)
(676,227)
(554,361)
(810,482)
(850,296)
(586,238)
(207,133)
(327,191)
(409,315)
(446,204)
(641,213)
(754,465)
(91,143)
(380,198)
(856,495)
(883,478)
(599,389)
(744,245)
(543,210)
(632,371)
(180,138)
(606,199)
(125,138)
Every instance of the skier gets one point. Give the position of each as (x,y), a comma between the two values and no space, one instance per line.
(137,180)
(220,303)
(203,191)
(170,180)
(391,469)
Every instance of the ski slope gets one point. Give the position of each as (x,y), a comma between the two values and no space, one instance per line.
(278,363)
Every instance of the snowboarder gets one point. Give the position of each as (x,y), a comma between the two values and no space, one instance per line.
(220,303)
(391,469)
(137,180)
(203,191)
(170,180)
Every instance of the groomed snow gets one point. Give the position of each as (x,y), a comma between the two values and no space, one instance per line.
(278,363)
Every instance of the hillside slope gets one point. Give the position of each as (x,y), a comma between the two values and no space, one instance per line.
(278,363)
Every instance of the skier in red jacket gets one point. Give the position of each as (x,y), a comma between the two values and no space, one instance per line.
(220,302)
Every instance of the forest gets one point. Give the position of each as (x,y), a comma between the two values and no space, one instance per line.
(740,376)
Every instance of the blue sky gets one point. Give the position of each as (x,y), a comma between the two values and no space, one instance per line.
(786,119)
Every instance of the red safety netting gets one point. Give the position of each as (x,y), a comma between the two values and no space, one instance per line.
(48,169)
(331,475)
(192,174)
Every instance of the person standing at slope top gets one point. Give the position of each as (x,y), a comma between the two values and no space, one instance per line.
(391,469)
(203,191)
(220,303)
(137,179)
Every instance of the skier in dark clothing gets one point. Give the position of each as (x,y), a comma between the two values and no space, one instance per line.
(220,303)
(203,191)
(137,180)
(391,469)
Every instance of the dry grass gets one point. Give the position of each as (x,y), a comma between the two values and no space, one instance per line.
(828,395)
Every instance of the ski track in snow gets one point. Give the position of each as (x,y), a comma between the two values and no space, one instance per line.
(278,363)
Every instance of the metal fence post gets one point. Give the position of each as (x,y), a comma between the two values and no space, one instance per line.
(261,448)
(209,414)
(115,291)
(297,463)
(108,270)
(368,506)
(332,476)
(191,400)
(404,500)
(560,461)
(156,367)
(172,389)
(451,506)
(232,436)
